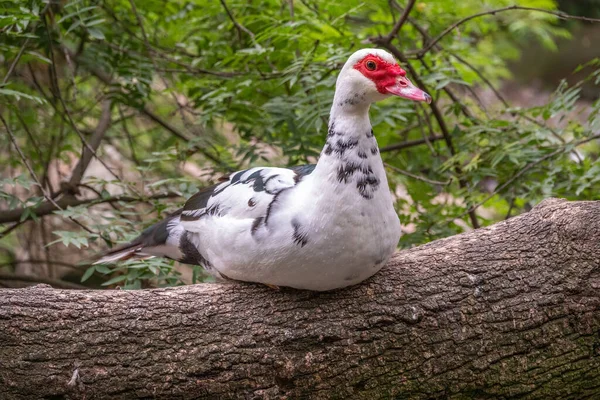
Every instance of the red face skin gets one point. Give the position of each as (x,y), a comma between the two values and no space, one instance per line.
(384,75)
(389,78)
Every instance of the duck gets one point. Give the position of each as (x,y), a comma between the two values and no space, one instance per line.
(315,227)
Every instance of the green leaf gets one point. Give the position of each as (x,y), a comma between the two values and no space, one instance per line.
(116,279)
(96,33)
(103,269)
(88,273)
(18,95)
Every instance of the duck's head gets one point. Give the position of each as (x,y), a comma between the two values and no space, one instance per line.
(371,75)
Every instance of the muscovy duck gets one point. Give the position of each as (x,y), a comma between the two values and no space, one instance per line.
(317,227)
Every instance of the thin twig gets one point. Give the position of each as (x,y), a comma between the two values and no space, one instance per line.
(449,29)
(154,63)
(439,118)
(34,177)
(510,208)
(15,61)
(48,207)
(104,77)
(410,143)
(54,79)
(11,228)
(237,25)
(427,121)
(187,67)
(129,137)
(482,77)
(95,140)
(175,132)
(426,39)
(417,177)
(400,22)
(527,168)
(22,49)
(499,96)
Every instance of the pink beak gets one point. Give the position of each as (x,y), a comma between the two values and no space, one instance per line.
(404,88)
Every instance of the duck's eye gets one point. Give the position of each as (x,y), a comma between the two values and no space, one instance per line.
(371,65)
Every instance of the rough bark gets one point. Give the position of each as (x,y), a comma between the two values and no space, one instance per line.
(507,311)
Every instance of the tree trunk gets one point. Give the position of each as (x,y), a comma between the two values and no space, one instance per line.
(511,310)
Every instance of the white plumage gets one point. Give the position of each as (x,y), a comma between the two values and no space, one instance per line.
(311,227)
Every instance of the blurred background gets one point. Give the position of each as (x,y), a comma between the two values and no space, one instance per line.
(116,111)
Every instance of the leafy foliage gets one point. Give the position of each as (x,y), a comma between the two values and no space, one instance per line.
(194,89)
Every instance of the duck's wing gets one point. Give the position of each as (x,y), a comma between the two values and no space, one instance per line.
(246,194)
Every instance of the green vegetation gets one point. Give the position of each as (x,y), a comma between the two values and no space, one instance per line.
(171,95)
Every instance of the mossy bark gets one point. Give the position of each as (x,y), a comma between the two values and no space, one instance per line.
(512,310)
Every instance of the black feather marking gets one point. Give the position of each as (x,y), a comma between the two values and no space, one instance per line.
(367,185)
(234,179)
(346,171)
(273,203)
(251,202)
(361,154)
(328,149)
(256,224)
(270,207)
(331,132)
(374,150)
(341,146)
(191,255)
(156,234)
(352,101)
(213,210)
(193,215)
(372,180)
(237,176)
(259,183)
(198,202)
(299,237)
(267,181)
(370,134)
(302,171)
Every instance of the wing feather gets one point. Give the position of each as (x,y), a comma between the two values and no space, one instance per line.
(248,194)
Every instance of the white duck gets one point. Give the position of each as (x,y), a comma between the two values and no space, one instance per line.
(316,227)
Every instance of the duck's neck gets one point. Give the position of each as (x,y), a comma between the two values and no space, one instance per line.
(350,157)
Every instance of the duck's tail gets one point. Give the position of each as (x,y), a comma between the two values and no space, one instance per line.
(162,239)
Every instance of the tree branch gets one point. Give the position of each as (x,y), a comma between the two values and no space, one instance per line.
(449,29)
(48,207)
(417,177)
(509,311)
(150,114)
(410,143)
(54,80)
(398,25)
(526,168)
(439,118)
(240,28)
(94,142)
(31,27)
(49,200)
